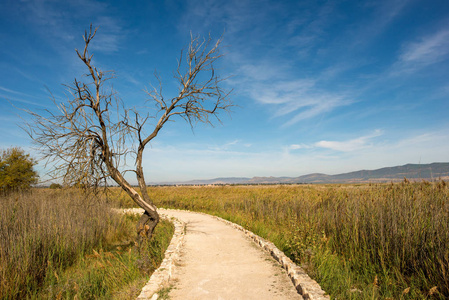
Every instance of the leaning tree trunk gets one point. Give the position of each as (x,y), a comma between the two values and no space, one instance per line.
(148,221)
(150,218)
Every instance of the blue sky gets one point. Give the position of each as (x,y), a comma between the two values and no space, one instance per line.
(321,86)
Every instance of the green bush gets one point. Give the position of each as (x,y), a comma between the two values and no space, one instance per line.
(55,186)
(16,170)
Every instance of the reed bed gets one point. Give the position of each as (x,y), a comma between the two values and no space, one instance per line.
(57,244)
(383,241)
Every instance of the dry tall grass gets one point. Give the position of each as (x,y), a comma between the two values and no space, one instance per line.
(45,231)
(388,241)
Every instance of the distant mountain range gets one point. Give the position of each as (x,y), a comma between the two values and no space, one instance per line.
(413,172)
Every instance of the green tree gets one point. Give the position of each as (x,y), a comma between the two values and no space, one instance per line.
(16,170)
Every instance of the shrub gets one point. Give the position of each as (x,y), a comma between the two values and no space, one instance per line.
(16,170)
(55,186)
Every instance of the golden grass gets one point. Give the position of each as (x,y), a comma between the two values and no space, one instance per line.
(381,241)
(56,244)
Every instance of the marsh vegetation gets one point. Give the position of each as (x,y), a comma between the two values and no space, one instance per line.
(56,244)
(383,241)
(379,241)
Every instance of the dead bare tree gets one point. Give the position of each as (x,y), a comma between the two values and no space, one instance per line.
(93,134)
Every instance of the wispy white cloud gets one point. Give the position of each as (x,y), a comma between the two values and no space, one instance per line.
(295,147)
(298,147)
(55,23)
(263,70)
(359,143)
(12,91)
(378,16)
(309,29)
(428,50)
(23,101)
(28,75)
(282,92)
(16,96)
(131,78)
(295,100)
(109,36)
(317,106)
(425,140)
(270,77)
(350,145)
(385,13)
(233,16)
(224,147)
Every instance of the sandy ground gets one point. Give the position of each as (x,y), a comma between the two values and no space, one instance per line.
(220,262)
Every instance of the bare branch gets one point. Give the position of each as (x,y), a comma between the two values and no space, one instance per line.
(200,95)
(92,136)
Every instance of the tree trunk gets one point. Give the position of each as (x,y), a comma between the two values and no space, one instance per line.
(146,224)
(150,217)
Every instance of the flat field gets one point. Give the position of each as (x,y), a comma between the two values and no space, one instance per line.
(370,241)
(378,241)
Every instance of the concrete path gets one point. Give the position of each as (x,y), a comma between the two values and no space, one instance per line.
(220,262)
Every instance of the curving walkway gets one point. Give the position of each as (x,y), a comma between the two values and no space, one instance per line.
(220,262)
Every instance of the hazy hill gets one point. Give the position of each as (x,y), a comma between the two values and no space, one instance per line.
(410,171)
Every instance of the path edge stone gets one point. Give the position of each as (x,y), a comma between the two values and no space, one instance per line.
(308,288)
(162,275)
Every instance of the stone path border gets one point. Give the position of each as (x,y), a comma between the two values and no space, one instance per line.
(308,288)
(162,275)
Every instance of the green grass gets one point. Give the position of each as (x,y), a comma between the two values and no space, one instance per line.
(164,293)
(58,245)
(112,272)
(383,241)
